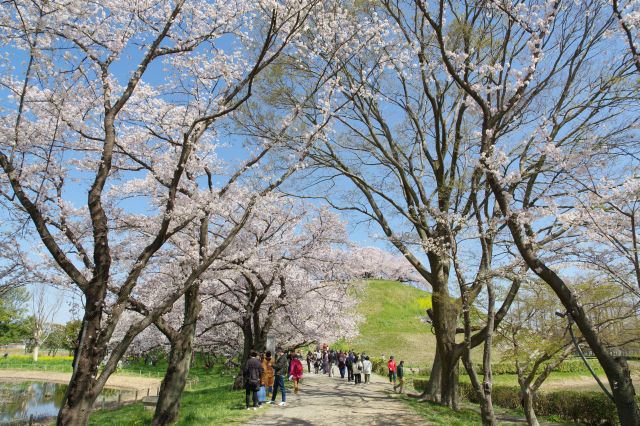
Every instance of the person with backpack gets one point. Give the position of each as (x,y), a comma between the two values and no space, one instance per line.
(296,372)
(280,371)
(252,374)
(367,366)
(391,365)
(400,371)
(357,370)
(349,364)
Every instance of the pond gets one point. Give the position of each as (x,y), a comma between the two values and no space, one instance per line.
(19,400)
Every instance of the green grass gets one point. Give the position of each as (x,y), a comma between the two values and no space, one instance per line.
(438,415)
(392,324)
(53,363)
(209,402)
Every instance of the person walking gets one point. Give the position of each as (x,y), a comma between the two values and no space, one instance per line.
(332,361)
(357,370)
(400,372)
(391,365)
(342,366)
(309,361)
(268,373)
(280,369)
(252,373)
(325,362)
(366,369)
(295,373)
(349,364)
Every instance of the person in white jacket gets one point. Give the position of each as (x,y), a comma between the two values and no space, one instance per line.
(366,369)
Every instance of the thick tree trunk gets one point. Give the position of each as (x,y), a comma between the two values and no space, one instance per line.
(76,414)
(618,376)
(36,352)
(446,316)
(449,379)
(432,391)
(168,405)
(82,391)
(527,406)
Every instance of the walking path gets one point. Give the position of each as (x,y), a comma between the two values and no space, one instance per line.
(333,401)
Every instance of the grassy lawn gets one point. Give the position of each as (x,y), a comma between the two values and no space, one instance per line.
(25,361)
(209,402)
(392,324)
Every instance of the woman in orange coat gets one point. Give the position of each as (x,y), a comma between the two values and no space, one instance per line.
(268,374)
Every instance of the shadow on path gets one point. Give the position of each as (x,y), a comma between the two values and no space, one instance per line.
(333,401)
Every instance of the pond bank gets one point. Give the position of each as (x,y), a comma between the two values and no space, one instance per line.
(117,381)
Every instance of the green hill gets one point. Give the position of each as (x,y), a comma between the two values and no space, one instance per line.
(392,324)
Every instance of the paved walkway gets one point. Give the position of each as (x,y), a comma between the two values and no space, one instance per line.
(332,401)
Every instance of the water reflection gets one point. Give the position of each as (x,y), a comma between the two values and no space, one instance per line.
(19,400)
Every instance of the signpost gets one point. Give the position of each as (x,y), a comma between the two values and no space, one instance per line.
(271,343)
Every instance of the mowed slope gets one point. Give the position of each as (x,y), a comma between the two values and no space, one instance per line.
(392,324)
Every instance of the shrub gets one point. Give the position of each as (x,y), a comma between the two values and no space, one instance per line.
(574,365)
(590,408)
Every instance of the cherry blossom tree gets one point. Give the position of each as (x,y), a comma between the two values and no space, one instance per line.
(628,15)
(292,278)
(122,102)
(532,135)
(402,159)
(377,263)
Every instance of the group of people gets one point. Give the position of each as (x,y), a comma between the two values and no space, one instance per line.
(264,370)
(349,364)
(265,373)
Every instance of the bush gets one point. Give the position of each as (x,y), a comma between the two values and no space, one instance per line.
(379,365)
(590,408)
(575,365)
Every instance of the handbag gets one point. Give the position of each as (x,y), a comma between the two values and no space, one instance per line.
(262,394)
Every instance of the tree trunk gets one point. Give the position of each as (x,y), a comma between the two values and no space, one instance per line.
(449,378)
(82,390)
(486,403)
(528,407)
(618,376)
(432,391)
(36,351)
(76,414)
(445,313)
(168,405)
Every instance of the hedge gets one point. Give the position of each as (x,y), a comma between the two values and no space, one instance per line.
(568,366)
(590,408)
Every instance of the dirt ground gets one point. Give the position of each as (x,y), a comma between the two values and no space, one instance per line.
(332,401)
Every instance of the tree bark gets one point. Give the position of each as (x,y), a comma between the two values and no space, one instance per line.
(168,405)
(173,383)
(82,391)
(616,371)
(527,405)
(432,391)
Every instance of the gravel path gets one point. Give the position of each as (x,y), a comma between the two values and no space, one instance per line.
(332,401)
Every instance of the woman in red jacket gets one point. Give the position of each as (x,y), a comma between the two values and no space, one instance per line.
(296,372)
(391,365)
